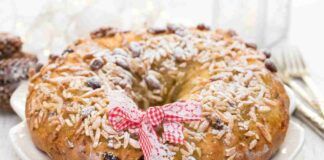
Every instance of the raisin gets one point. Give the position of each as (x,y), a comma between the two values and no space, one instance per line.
(218,124)
(109,156)
(251,45)
(103,32)
(203,27)
(267,54)
(141,158)
(68,50)
(94,83)
(270,65)
(96,64)
(53,57)
(156,30)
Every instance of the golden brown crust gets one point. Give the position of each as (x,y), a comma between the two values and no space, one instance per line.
(245,106)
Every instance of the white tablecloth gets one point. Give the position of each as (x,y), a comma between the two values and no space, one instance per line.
(307,32)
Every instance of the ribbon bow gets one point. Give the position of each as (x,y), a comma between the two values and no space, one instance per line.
(171,115)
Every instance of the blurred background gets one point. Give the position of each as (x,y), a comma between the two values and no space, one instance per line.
(48,26)
(57,22)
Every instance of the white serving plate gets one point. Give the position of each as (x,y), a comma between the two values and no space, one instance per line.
(21,140)
(18,99)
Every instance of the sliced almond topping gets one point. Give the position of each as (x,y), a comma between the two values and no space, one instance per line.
(126,139)
(134,143)
(96,138)
(221,116)
(263,109)
(203,126)
(230,151)
(270,102)
(264,131)
(253,144)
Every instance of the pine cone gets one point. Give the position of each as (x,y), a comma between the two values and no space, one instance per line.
(9,45)
(12,71)
(16,69)
(6,91)
(14,66)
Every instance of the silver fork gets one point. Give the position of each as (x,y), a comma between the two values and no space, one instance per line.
(303,112)
(293,66)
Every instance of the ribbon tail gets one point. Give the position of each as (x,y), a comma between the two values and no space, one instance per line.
(152,148)
(182,111)
(173,132)
(121,118)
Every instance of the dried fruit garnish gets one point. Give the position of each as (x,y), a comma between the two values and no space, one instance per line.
(96,64)
(251,45)
(270,66)
(109,156)
(141,158)
(53,57)
(203,27)
(93,82)
(156,30)
(218,124)
(267,54)
(68,50)
(103,32)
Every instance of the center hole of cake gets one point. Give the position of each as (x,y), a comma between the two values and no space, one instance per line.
(162,88)
(159,93)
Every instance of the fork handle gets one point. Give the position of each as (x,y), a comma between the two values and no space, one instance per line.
(311,118)
(302,92)
(319,98)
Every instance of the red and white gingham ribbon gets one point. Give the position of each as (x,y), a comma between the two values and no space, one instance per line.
(171,115)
